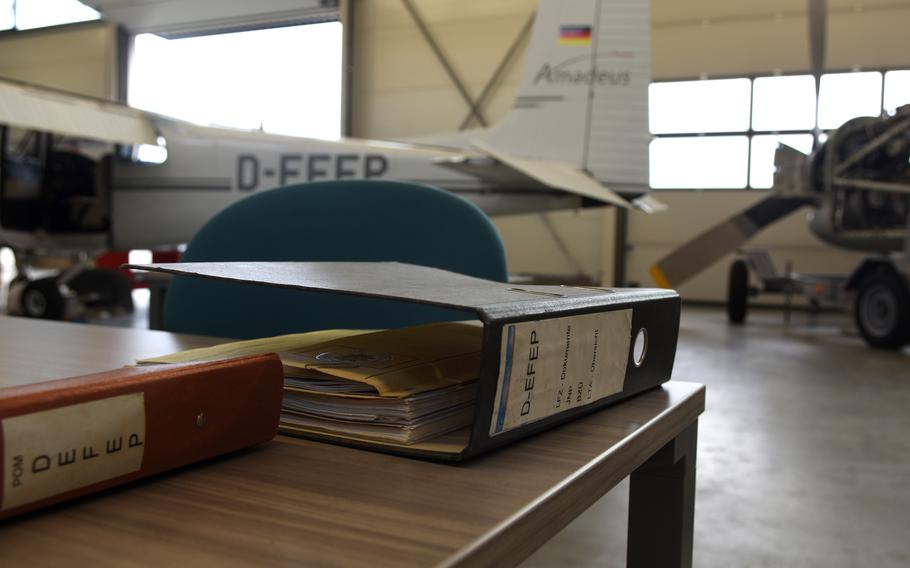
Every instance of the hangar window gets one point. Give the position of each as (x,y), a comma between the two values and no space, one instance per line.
(783,103)
(30,14)
(710,162)
(843,96)
(761,157)
(283,80)
(699,106)
(897,90)
(7,15)
(685,115)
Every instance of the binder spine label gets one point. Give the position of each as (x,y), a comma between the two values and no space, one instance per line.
(553,365)
(54,451)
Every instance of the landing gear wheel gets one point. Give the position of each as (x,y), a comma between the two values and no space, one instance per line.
(882,311)
(738,292)
(42,299)
(103,288)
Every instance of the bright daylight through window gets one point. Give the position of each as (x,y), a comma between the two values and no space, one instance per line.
(843,96)
(723,133)
(30,14)
(283,80)
(783,103)
(897,90)
(699,106)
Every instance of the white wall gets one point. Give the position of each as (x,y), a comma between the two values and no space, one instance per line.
(400,90)
(587,235)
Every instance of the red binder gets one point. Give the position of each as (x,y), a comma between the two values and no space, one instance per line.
(65,438)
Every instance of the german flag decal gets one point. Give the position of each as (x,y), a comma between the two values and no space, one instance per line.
(574,35)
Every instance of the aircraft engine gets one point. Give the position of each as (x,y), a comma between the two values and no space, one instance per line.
(860,178)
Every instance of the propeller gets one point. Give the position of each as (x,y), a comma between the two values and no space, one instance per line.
(710,246)
(818,30)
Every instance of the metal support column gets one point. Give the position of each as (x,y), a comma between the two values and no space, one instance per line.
(124,51)
(347,57)
(621,243)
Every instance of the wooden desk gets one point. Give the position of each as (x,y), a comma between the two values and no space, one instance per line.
(297,502)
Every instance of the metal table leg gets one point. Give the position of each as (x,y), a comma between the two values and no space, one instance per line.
(662,505)
(157,293)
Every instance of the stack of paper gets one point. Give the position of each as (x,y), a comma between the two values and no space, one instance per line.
(398,386)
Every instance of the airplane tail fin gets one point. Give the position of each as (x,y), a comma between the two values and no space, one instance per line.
(583,98)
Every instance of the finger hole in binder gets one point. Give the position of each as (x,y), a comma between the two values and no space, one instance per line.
(640,348)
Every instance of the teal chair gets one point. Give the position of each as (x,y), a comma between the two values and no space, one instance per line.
(355,220)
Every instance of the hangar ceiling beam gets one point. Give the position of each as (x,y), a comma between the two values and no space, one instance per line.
(473,109)
(500,69)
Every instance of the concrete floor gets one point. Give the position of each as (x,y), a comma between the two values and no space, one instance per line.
(804,450)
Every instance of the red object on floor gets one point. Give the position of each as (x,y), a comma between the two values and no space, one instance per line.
(166,256)
(114,259)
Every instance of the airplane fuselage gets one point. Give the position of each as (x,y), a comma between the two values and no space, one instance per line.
(209,168)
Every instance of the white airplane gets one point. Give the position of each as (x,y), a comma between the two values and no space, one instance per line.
(75,175)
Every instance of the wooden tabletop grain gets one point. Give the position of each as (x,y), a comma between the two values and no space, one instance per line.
(298,502)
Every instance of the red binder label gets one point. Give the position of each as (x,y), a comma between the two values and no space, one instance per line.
(54,451)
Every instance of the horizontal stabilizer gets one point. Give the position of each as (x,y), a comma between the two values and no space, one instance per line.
(707,248)
(36,108)
(649,204)
(490,171)
(557,175)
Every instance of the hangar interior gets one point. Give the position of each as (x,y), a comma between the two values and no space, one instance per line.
(804,441)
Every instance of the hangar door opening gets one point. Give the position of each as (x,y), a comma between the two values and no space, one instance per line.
(284,80)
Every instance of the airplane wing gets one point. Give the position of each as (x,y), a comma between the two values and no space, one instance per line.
(36,108)
(649,204)
(502,168)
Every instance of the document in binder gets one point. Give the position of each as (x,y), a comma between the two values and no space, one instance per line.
(538,356)
(399,386)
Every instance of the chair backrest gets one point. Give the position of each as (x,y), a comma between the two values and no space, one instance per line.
(354,220)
